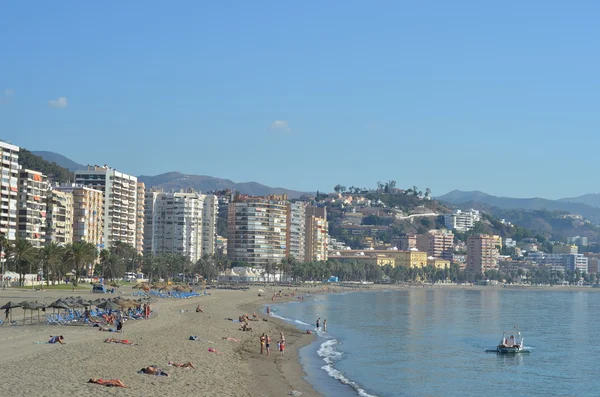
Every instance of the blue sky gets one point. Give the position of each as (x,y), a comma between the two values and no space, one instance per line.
(448,95)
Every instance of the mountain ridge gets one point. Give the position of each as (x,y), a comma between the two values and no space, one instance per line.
(535,203)
(174,180)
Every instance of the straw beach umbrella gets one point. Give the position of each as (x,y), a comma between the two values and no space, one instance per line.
(109,305)
(27,305)
(10,305)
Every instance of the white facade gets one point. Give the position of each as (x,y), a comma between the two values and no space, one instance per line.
(9,166)
(173,224)
(461,221)
(209,224)
(120,202)
(296,231)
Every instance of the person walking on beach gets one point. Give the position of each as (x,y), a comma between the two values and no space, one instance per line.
(318,320)
(325,325)
(262,343)
(268,343)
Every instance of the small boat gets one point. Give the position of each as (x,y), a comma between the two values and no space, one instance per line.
(510,345)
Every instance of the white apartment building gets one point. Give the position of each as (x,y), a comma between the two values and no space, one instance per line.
(120,202)
(257,230)
(31,220)
(9,166)
(59,217)
(296,230)
(173,223)
(210,213)
(462,221)
(139,222)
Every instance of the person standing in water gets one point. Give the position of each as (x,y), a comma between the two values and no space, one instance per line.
(318,320)
(325,325)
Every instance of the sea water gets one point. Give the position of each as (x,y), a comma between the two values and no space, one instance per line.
(432,342)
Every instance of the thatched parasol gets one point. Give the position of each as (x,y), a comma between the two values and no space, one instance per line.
(60,304)
(9,306)
(109,305)
(84,302)
(28,305)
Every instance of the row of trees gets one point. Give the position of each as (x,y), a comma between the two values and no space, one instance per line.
(382,187)
(53,260)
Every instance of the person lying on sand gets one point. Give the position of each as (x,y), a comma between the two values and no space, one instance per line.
(153,370)
(229,338)
(180,365)
(213,350)
(56,339)
(123,341)
(245,327)
(107,382)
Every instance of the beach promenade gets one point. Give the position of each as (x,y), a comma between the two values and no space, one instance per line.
(31,368)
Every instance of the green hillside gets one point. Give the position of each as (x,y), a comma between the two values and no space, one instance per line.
(55,173)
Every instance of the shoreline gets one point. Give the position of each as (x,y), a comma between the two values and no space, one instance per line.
(239,371)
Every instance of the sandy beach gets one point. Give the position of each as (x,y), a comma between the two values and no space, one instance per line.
(30,368)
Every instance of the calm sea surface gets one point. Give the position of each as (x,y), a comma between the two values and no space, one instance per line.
(432,342)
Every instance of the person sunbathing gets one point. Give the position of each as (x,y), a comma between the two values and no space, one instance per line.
(153,370)
(180,365)
(107,382)
(198,309)
(213,350)
(56,339)
(229,338)
(123,341)
(245,327)
(106,329)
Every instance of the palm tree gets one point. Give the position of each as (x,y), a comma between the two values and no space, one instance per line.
(21,255)
(78,255)
(50,257)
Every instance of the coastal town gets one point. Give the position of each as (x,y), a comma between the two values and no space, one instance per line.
(385,234)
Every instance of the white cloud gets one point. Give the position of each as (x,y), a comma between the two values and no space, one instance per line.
(8,94)
(281,125)
(60,102)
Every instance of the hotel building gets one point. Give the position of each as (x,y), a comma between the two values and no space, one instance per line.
(173,223)
(31,222)
(139,222)
(295,232)
(316,231)
(482,252)
(120,202)
(437,243)
(257,229)
(210,213)
(87,213)
(59,217)
(9,188)
(462,221)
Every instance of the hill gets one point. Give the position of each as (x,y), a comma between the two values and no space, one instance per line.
(177,180)
(592,199)
(474,198)
(59,159)
(203,183)
(55,172)
(554,225)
